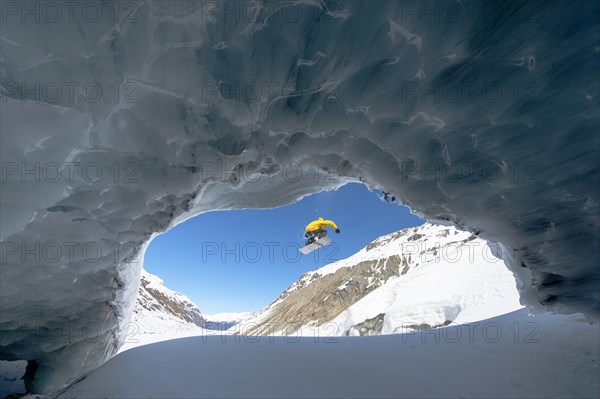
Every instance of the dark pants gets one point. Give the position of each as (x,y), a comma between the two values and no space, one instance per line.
(313,235)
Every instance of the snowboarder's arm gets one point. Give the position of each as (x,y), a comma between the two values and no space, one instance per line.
(331,224)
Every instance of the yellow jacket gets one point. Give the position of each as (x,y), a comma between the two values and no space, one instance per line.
(320,224)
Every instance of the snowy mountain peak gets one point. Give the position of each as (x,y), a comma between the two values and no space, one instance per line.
(400,246)
(159,308)
(425,276)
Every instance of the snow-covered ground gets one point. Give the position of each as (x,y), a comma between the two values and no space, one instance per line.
(510,356)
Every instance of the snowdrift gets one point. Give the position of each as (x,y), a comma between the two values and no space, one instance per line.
(511,356)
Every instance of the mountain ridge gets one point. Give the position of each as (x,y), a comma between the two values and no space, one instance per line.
(337,293)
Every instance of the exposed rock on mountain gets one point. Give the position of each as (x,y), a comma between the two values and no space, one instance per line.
(417,278)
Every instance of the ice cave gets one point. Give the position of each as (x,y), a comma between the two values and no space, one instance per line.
(120,120)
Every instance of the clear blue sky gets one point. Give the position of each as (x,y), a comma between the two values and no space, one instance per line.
(235,261)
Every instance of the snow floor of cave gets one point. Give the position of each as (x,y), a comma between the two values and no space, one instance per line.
(146,338)
(513,355)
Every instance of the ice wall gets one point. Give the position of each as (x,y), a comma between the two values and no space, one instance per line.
(121,119)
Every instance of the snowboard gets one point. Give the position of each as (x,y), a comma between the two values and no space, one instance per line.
(321,242)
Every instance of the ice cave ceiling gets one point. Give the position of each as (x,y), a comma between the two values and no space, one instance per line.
(121,119)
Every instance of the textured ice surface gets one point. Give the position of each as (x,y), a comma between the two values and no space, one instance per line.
(120,120)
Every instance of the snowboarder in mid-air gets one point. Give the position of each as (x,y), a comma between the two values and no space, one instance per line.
(316,229)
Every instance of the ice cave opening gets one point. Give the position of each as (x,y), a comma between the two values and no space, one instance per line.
(241,260)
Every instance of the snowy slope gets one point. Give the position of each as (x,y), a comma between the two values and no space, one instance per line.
(158,306)
(160,314)
(510,356)
(421,277)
